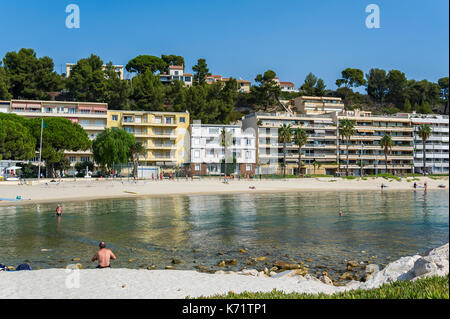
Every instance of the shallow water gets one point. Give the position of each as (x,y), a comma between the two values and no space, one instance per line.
(280,226)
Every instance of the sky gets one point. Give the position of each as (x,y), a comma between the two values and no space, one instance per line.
(240,38)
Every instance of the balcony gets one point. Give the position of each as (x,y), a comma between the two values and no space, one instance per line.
(163,135)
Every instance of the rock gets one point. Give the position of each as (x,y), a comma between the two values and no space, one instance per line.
(272,273)
(170,267)
(266,271)
(261,274)
(151,267)
(311,277)
(250,262)
(372,268)
(353,263)
(423,266)
(346,276)
(242,251)
(249,272)
(221,264)
(75,266)
(286,266)
(326,280)
(290,273)
(75,259)
(200,267)
(196,250)
(62,261)
(176,261)
(220,272)
(231,262)
(130,260)
(262,258)
(219,253)
(274,268)
(308,260)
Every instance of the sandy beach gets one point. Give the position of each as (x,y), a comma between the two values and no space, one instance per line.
(70,190)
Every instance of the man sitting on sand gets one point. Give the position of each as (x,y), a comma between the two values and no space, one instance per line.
(103,256)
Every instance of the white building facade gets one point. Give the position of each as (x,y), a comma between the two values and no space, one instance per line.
(436,147)
(216,148)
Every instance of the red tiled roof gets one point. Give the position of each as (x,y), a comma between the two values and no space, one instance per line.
(187,74)
(176,67)
(287,83)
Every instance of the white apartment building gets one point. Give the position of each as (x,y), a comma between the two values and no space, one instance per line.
(210,150)
(118,68)
(436,147)
(176,72)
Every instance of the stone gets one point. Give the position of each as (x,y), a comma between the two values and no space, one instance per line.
(266,271)
(220,272)
(242,251)
(75,266)
(219,253)
(353,263)
(75,259)
(272,273)
(326,280)
(221,264)
(249,272)
(372,268)
(231,262)
(261,274)
(262,258)
(249,262)
(196,250)
(286,266)
(423,266)
(346,276)
(130,260)
(170,267)
(151,267)
(308,259)
(176,261)
(200,267)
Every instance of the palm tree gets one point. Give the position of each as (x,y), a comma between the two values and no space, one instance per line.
(285,136)
(300,139)
(424,133)
(316,164)
(386,143)
(346,130)
(136,150)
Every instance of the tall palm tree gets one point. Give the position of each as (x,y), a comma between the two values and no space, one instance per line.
(300,139)
(136,150)
(346,130)
(424,133)
(285,136)
(386,143)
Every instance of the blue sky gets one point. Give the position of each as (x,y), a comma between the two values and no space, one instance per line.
(240,38)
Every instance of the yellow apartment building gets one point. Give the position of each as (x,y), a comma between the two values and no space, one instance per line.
(165,135)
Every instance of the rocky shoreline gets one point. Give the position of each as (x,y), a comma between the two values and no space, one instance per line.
(288,277)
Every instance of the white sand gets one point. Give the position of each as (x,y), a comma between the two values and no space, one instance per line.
(107,283)
(70,190)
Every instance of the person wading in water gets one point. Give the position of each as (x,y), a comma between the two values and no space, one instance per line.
(58,211)
(103,256)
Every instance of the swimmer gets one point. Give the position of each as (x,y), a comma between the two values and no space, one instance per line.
(340,213)
(58,211)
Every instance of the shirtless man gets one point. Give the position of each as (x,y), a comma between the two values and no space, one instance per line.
(58,211)
(103,256)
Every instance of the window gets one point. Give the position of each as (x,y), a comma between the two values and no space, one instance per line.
(73,159)
(248,167)
(187,79)
(182,119)
(197,167)
(197,154)
(85,158)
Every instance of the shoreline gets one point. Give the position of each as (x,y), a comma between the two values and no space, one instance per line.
(107,189)
(161,284)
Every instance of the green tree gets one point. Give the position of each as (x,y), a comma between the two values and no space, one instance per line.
(87,81)
(386,143)
(377,84)
(407,106)
(300,139)
(80,167)
(112,146)
(443,86)
(424,133)
(313,86)
(117,91)
(201,71)
(148,92)
(396,84)
(59,135)
(267,92)
(16,141)
(285,136)
(144,63)
(136,150)
(4,84)
(172,60)
(31,77)
(346,130)
(351,78)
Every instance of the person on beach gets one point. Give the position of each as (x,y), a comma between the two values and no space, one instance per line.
(415,185)
(58,211)
(340,213)
(425,185)
(103,256)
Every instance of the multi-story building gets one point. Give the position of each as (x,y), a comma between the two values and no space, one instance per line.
(243,86)
(364,150)
(319,155)
(176,72)
(118,68)
(91,116)
(215,147)
(164,135)
(287,87)
(318,104)
(436,147)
